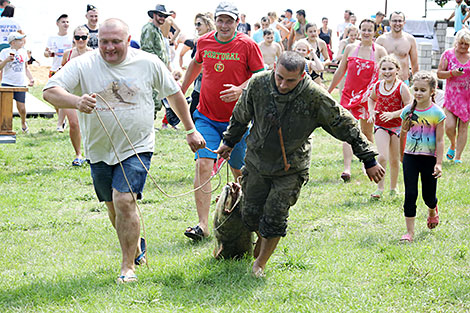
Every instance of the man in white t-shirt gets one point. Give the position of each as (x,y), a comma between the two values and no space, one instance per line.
(124,78)
(347,22)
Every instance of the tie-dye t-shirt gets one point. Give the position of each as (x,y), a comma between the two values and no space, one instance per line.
(421,138)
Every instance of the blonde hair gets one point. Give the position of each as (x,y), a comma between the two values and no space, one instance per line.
(389,58)
(81,27)
(302,41)
(348,30)
(206,19)
(462,35)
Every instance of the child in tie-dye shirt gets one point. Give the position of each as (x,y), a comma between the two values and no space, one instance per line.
(423,130)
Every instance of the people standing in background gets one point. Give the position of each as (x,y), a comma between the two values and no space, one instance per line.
(274,24)
(8,25)
(244,26)
(92,25)
(455,68)
(460,13)
(55,48)
(353,19)
(170,33)
(379,26)
(258,35)
(347,22)
(297,31)
(326,35)
(288,22)
(14,67)
(3,4)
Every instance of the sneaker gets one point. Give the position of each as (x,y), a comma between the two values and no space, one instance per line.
(62,128)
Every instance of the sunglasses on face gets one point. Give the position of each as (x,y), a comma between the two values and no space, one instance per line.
(161,15)
(84,37)
(198,24)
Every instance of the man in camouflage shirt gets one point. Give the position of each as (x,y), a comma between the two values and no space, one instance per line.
(288,100)
(151,41)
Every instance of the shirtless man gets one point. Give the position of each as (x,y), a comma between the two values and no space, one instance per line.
(271,50)
(402,45)
(165,28)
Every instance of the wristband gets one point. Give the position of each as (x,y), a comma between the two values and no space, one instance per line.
(451,75)
(188,132)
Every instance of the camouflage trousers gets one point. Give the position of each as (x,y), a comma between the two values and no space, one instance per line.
(267,199)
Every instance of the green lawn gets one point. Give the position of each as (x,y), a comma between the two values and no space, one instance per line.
(341,253)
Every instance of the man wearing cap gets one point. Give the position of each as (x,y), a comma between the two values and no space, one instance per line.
(379,26)
(58,44)
(92,25)
(297,31)
(402,45)
(114,76)
(151,38)
(228,59)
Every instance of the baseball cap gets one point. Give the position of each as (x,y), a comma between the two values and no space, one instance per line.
(226,8)
(15,35)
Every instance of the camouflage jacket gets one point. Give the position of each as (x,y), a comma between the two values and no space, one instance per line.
(151,41)
(299,113)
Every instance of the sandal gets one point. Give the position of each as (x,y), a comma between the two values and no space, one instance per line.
(123,279)
(377,194)
(433,221)
(140,259)
(406,238)
(457,161)
(345,177)
(78,162)
(450,154)
(195,233)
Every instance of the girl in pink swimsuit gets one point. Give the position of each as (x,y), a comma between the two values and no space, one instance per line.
(359,61)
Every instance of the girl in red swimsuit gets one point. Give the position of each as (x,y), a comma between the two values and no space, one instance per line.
(388,98)
(359,61)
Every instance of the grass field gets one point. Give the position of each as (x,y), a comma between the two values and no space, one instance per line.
(341,253)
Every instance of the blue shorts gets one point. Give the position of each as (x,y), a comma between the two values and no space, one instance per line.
(108,177)
(19,96)
(212,131)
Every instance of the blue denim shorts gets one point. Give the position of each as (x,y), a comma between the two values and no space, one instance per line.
(212,131)
(108,177)
(19,96)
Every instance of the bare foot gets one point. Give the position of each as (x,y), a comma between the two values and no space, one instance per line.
(258,271)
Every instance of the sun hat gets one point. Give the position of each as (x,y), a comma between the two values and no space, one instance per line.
(160,8)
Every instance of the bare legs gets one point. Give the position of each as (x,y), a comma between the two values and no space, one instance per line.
(22,112)
(123,214)
(74,131)
(457,132)
(60,119)
(263,250)
(202,196)
(389,150)
(367,130)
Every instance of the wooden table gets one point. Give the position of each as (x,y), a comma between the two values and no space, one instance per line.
(6,113)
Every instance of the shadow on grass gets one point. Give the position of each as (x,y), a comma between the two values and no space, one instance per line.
(208,283)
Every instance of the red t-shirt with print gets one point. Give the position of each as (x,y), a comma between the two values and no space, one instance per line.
(231,62)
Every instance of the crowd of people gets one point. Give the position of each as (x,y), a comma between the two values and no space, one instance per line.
(250,84)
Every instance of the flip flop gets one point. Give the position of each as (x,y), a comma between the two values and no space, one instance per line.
(195,233)
(432,222)
(376,195)
(450,154)
(78,162)
(345,177)
(124,279)
(457,161)
(406,238)
(140,259)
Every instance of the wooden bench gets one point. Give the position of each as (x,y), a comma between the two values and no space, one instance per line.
(7,135)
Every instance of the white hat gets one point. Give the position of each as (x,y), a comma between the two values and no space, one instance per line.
(15,35)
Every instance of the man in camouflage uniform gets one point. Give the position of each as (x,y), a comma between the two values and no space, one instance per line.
(151,41)
(287,100)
